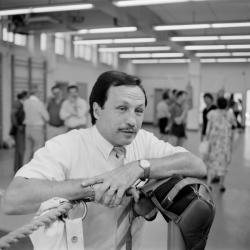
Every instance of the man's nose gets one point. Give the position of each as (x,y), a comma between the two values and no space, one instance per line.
(131,119)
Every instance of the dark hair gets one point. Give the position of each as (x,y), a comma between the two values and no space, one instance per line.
(208,95)
(222,103)
(55,87)
(99,93)
(22,95)
(72,87)
(180,93)
(165,95)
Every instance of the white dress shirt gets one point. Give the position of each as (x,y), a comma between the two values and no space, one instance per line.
(36,113)
(84,153)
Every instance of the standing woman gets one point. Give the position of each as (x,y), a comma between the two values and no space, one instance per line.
(219,135)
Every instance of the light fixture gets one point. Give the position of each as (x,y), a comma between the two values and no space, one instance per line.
(208,60)
(240,53)
(107,30)
(201,26)
(182,27)
(221,60)
(150,55)
(230,25)
(43,9)
(204,47)
(129,3)
(238,46)
(217,54)
(235,37)
(117,41)
(137,49)
(193,38)
(153,61)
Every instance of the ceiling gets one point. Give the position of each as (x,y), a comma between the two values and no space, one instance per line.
(106,14)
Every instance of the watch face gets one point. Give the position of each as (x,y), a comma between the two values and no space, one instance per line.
(145,163)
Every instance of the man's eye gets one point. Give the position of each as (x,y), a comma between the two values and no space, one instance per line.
(139,111)
(122,108)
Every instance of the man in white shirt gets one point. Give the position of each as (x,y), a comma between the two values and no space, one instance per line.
(69,163)
(36,115)
(74,110)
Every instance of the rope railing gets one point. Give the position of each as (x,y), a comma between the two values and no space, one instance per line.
(45,219)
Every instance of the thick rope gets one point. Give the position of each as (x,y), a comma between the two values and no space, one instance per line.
(48,218)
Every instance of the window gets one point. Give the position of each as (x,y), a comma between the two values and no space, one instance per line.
(59,44)
(83,51)
(20,39)
(43,41)
(7,36)
(107,57)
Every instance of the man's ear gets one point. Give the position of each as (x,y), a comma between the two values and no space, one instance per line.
(96,110)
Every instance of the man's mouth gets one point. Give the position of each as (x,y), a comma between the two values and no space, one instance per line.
(128,131)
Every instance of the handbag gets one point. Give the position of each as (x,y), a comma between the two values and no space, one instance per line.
(185,201)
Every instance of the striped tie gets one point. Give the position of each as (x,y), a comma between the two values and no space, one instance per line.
(125,217)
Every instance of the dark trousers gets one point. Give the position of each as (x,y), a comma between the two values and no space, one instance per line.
(19,147)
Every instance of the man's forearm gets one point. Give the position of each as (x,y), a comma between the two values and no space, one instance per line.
(25,195)
(186,164)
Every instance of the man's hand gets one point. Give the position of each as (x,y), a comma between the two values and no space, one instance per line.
(114,184)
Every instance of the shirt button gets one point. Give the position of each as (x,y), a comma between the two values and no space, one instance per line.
(74,239)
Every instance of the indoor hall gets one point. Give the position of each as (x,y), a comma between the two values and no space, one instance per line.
(193,46)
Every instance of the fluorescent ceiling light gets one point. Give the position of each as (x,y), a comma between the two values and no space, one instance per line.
(182,27)
(108,30)
(193,38)
(201,26)
(204,47)
(238,46)
(129,3)
(150,55)
(146,61)
(241,37)
(43,9)
(232,60)
(153,61)
(208,60)
(142,55)
(128,49)
(218,54)
(118,41)
(240,53)
(230,25)
(167,55)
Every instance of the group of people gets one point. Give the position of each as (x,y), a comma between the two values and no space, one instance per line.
(217,130)
(33,122)
(171,113)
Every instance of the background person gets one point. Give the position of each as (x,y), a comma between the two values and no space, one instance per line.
(56,124)
(36,116)
(70,162)
(74,110)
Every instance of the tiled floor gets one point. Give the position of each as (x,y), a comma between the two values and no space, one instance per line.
(231,228)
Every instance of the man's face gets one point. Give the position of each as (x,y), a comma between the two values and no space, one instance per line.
(73,93)
(122,114)
(57,92)
(207,100)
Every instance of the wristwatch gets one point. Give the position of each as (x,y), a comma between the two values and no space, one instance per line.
(145,165)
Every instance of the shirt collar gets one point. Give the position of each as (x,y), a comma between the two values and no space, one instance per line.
(102,144)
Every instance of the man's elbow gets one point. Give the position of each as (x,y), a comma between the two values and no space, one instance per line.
(199,166)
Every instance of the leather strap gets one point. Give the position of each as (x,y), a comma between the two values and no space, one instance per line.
(183,183)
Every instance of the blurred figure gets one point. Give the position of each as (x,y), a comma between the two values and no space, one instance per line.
(18,129)
(209,101)
(56,124)
(219,135)
(178,112)
(163,114)
(36,115)
(74,110)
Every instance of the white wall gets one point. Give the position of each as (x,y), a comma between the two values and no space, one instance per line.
(234,77)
